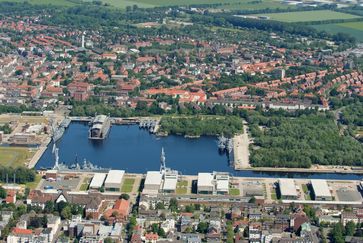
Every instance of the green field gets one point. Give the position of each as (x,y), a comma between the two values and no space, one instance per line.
(255,5)
(14,156)
(128,185)
(182,187)
(307,16)
(234,192)
(34,184)
(355,29)
(53,2)
(225,4)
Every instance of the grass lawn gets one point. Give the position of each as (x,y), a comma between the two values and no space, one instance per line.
(85,184)
(181,190)
(34,184)
(182,184)
(306,16)
(306,192)
(234,192)
(354,29)
(256,5)
(84,187)
(14,156)
(128,185)
(273,194)
(182,187)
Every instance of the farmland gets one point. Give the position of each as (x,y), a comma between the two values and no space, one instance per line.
(66,3)
(355,29)
(226,4)
(307,16)
(255,5)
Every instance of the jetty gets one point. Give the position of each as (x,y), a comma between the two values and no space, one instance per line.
(241,152)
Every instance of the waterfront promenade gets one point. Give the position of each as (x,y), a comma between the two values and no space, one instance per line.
(241,152)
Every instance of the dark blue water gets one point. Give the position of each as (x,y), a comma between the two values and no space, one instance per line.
(137,151)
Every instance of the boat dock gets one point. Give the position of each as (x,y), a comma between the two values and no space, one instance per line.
(241,152)
(39,154)
(114,120)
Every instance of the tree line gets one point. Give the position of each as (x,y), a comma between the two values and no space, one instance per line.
(197,126)
(301,142)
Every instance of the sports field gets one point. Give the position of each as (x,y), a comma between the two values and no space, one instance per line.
(14,156)
(355,29)
(307,16)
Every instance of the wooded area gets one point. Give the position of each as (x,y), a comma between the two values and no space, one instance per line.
(301,142)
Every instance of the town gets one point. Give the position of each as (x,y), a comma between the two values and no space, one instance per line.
(207,122)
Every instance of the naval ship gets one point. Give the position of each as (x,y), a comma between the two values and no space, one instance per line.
(100,126)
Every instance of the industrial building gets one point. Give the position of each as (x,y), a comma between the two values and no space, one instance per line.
(222,183)
(213,183)
(252,189)
(97,181)
(320,190)
(170,181)
(113,180)
(287,189)
(205,183)
(153,181)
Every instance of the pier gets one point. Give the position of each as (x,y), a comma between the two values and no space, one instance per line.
(241,152)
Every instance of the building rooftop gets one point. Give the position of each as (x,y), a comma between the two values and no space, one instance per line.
(153,178)
(205,179)
(114,177)
(320,188)
(287,187)
(170,184)
(97,180)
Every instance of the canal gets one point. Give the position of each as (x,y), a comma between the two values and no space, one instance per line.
(137,151)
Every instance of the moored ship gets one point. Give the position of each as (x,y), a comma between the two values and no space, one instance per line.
(100,126)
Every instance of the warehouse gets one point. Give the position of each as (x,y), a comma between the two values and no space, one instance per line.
(170,182)
(287,189)
(321,191)
(97,181)
(222,180)
(205,183)
(153,181)
(113,180)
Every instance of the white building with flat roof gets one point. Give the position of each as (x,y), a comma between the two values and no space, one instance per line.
(205,183)
(97,180)
(321,191)
(170,181)
(288,189)
(153,181)
(222,182)
(113,180)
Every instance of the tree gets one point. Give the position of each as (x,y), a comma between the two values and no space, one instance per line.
(230,233)
(173,205)
(49,207)
(202,227)
(252,200)
(3,193)
(161,232)
(159,205)
(125,196)
(337,233)
(66,212)
(108,240)
(350,228)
